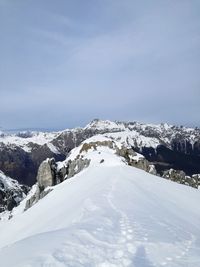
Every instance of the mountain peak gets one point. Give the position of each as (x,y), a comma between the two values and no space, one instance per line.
(105,124)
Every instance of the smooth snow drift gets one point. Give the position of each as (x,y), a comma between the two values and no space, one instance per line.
(109,215)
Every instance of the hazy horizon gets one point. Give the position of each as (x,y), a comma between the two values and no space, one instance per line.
(16,130)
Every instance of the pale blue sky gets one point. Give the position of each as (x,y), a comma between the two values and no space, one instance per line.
(63,63)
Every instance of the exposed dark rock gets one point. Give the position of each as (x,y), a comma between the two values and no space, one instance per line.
(11,193)
(75,166)
(180,177)
(16,163)
(23,166)
(184,146)
(165,158)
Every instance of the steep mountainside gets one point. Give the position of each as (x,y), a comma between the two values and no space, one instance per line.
(166,146)
(108,214)
(11,193)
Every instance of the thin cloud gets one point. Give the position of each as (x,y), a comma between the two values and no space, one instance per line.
(128,60)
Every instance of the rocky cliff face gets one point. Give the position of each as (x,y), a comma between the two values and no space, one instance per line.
(15,162)
(165,158)
(11,193)
(22,165)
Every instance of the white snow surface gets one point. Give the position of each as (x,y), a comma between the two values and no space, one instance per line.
(108,215)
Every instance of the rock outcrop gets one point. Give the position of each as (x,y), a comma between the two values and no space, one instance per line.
(135,160)
(50,174)
(196,177)
(46,174)
(180,177)
(36,196)
(46,178)
(76,166)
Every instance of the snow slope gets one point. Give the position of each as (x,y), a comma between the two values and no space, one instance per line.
(109,215)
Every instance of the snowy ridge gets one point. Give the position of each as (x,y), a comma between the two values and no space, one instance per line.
(97,151)
(110,214)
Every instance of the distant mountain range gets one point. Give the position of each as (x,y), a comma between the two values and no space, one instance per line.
(34,129)
(166,146)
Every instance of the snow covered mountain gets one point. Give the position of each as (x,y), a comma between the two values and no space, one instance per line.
(134,133)
(165,146)
(108,214)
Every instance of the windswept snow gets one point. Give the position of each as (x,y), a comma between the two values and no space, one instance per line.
(109,215)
